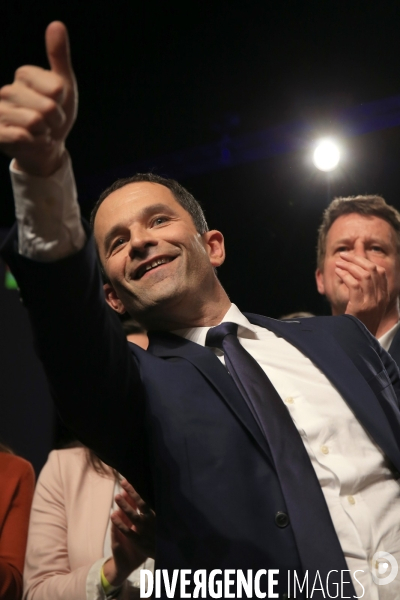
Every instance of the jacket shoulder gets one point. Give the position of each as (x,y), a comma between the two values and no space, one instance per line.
(329,323)
(348,331)
(12,466)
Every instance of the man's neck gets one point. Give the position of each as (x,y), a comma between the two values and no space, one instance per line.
(182,316)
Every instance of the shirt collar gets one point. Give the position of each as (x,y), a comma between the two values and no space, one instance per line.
(387,338)
(198,334)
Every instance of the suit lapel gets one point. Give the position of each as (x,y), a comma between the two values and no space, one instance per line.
(321,348)
(166,345)
(337,365)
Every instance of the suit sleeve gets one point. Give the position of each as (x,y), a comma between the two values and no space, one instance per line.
(14,531)
(94,377)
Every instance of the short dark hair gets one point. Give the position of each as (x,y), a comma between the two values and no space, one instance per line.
(181,195)
(368,206)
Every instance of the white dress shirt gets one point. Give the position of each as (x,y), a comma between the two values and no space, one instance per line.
(387,338)
(361,492)
(48,214)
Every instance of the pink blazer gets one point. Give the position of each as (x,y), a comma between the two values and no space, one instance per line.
(69,519)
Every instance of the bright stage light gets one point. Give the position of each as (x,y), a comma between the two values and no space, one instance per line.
(326,156)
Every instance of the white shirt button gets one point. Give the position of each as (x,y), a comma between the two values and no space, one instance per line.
(324,449)
(289,400)
(351,499)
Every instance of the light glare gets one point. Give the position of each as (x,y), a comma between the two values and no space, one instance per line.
(326,156)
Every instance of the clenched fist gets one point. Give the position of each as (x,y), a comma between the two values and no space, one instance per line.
(39,108)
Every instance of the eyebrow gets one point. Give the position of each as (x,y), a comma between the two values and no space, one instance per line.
(342,240)
(143,214)
(371,240)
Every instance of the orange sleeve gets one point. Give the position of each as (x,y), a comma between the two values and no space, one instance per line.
(14,531)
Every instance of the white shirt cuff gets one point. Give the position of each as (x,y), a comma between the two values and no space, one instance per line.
(94,589)
(48,214)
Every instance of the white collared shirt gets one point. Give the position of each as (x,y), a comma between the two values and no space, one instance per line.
(361,492)
(387,338)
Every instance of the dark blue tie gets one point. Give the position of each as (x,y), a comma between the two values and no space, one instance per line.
(315,536)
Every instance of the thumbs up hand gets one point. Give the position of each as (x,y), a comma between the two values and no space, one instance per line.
(38,109)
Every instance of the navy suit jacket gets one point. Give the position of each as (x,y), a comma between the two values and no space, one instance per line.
(173,422)
(394,349)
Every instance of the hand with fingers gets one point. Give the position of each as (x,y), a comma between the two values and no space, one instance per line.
(368,289)
(132,535)
(39,108)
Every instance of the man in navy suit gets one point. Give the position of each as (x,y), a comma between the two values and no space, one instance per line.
(358,264)
(173,420)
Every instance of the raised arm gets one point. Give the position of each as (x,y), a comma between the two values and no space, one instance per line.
(92,374)
(37,112)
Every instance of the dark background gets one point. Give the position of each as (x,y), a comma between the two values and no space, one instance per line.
(229,97)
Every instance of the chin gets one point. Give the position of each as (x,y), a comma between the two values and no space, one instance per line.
(166,298)
(339,306)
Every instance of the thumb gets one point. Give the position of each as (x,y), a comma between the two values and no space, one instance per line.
(57,48)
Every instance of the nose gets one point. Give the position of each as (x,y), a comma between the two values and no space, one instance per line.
(141,239)
(359,249)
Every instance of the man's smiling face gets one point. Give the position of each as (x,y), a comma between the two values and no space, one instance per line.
(152,254)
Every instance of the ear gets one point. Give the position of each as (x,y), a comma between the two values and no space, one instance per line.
(215,246)
(319,278)
(113,300)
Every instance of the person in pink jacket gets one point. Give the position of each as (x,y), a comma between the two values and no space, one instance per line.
(72,542)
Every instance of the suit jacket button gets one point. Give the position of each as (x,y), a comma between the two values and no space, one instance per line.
(281,519)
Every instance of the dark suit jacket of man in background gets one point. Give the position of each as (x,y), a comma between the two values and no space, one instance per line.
(394,349)
(200,458)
